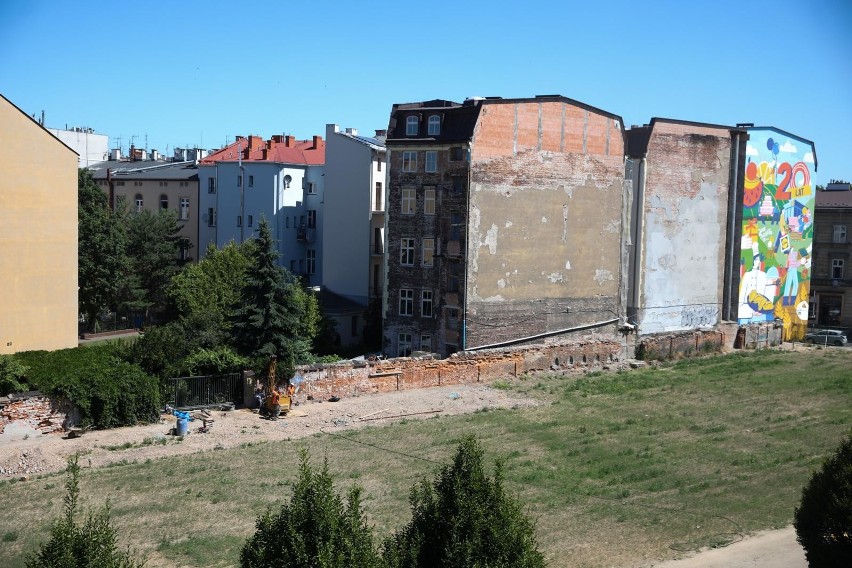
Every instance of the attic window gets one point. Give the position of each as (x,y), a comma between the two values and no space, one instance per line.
(411,126)
(434,125)
(287,180)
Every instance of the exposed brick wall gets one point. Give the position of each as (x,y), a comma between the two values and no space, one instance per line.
(39,412)
(352,378)
(677,345)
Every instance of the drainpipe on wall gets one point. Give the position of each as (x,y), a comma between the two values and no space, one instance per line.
(637,237)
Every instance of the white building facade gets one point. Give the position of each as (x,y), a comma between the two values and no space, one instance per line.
(91,147)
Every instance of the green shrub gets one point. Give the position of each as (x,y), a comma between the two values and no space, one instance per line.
(314,529)
(108,391)
(213,362)
(11,374)
(94,544)
(824,520)
(464,519)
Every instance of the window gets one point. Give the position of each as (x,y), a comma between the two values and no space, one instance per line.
(211,216)
(312,219)
(457,224)
(839,234)
(137,184)
(250,221)
(251,181)
(378,206)
(411,126)
(409,161)
(184,184)
(239,220)
(431,162)
(426,303)
(434,125)
(452,318)
(455,277)
(287,222)
(162,184)
(425,342)
(408,200)
(119,183)
(239,181)
(311,261)
(428,252)
(354,326)
(293,266)
(837,268)
(404,345)
(164,202)
(406,252)
(379,164)
(211,185)
(312,188)
(406,302)
(456,154)
(139,202)
(428,200)
(184,208)
(458,184)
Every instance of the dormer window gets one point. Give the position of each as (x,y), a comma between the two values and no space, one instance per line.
(411,126)
(434,125)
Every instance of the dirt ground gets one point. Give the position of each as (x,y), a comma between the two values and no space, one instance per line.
(31,453)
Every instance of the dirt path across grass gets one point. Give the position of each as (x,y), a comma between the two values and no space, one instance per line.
(775,549)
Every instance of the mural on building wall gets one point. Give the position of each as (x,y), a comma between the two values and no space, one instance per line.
(777,236)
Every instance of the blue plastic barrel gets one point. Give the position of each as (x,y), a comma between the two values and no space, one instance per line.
(182,426)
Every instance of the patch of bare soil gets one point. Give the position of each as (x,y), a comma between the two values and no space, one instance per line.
(48,453)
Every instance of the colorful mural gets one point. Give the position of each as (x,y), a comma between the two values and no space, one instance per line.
(777,236)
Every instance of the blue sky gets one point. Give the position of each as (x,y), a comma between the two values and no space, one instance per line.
(198,73)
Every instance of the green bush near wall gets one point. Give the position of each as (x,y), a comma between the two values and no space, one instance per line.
(107,390)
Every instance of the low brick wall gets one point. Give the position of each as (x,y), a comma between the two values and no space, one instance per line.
(679,345)
(352,378)
(38,412)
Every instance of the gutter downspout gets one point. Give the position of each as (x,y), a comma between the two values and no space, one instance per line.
(637,238)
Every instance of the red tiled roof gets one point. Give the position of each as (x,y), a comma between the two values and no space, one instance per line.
(280,149)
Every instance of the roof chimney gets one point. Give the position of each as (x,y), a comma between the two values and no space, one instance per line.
(317,142)
(289,141)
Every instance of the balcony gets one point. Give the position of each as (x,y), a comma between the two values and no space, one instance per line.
(305,234)
(377,248)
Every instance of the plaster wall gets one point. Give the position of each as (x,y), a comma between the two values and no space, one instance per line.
(684,227)
(544,221)
(38,237)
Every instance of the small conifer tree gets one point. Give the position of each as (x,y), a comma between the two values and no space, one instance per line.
(464,519)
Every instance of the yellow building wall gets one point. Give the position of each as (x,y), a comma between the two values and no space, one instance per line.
(38,236)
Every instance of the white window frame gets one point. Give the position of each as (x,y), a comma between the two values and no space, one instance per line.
(431,162)
(839,235)
(184,208)
(409,161)
(427,251)
(426,300)
(408,200)
(406,302)
(139,203)
(837,267)
(312,188)
(403,344)
(211,185)
(211,216)
(406,251)
(434,125)
(164,201)
(412,125)
(312,218)
(429,200)
(426,342)
(311,261)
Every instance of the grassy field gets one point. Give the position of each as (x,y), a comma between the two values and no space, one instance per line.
(617,469)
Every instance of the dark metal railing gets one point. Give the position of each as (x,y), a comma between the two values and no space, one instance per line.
(187,393)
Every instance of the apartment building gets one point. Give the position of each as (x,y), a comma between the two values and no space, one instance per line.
(353,227)
(38,236)
(280,179)
(153,186)
(505,222)
(831,280)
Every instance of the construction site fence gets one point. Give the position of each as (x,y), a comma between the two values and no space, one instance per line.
(188,393)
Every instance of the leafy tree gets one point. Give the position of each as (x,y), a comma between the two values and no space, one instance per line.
(277,317)
(464,519)
(823,521)
(92,545)
(214,285)
(314,530)
(153,247)
(102,259)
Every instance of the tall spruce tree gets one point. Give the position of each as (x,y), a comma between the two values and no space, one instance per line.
(275,317)
(102,250)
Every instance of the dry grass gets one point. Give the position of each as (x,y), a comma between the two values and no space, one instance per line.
(618,469)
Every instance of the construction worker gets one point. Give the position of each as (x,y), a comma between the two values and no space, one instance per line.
(275,409)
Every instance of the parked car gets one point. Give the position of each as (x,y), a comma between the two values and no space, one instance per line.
(826,337)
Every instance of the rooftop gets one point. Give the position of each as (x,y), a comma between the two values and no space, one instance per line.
(278,149)
(147,169)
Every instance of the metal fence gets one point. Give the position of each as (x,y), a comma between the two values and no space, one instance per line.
(188,393)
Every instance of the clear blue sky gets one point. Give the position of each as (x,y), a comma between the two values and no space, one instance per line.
(193,73)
